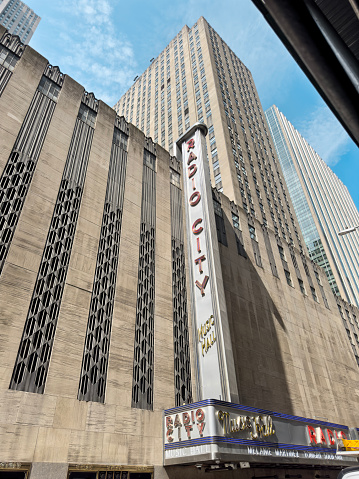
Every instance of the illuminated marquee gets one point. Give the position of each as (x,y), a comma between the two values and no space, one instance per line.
(217,431)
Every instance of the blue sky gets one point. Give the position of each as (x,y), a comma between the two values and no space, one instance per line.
(104,44)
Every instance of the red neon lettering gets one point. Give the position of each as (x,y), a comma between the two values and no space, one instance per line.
(200,415)
(185,418)
(331,437)
(195,198)
(198,246)
(191,157)
(193,184)
(195,230)
(169,427)
(200,426)
(198,261)
(202,285)
(189,428)
(341,435)
(190,144)
(177,421)
(192,414)
(321,436)
(312,435)
(192,170)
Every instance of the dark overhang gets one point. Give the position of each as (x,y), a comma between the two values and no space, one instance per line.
(323,38)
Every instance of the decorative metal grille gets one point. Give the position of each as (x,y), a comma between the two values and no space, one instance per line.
(11,50)
(142,386)
(111,475)
(33,358)
(19,169)
(95,358)
(182,362)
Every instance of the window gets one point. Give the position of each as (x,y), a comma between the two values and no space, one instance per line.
(314,294)
(175,178)
(87,115)
(235,219)
(252,232)
(7,59)
(301,286)
(318,277)
(49,88)
(281,253)
(288,278)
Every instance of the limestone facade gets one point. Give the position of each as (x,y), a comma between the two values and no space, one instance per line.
(83,394)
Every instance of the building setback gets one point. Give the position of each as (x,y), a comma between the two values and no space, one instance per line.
(18,19)
(103,365)
(323,207)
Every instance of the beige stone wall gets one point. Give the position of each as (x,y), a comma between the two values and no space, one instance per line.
(291,352)
(55,427)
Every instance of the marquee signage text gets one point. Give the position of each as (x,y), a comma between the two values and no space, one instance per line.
(183,424)
(197,228)
(324,437)
(207,315)
(206,335)
(257,426)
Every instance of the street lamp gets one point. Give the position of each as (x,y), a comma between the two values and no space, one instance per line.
(348,230)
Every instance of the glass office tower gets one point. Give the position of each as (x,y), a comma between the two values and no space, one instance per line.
(322,204)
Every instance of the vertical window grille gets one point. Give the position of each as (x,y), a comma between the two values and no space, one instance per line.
(142,385)
(97,343)
(182,363)
(35,349)
(11,50)
(20,167)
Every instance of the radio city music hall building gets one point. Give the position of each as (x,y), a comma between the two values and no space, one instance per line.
(150,325)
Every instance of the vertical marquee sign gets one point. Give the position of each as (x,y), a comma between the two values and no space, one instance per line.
(215,366)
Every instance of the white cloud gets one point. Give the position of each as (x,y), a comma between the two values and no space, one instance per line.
(325,134)
(95,53)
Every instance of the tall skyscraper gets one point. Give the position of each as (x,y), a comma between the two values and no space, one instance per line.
(18,19)
(147,320)
(323,207)
(198,77)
